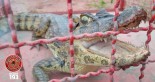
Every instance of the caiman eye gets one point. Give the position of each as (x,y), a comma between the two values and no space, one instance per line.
(85,20)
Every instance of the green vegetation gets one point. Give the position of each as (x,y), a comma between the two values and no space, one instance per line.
(99,4)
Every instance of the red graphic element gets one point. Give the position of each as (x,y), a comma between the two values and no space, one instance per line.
(13,63)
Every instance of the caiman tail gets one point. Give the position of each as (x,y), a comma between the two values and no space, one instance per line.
(26,22)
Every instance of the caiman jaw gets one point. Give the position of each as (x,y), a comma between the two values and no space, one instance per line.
(126,53)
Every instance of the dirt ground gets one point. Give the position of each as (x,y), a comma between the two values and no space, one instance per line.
(30,57)
(42,6)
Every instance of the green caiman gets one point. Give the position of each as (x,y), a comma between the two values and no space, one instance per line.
(86,59)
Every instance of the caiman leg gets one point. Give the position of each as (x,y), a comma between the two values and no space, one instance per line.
(84,60)
(41,69)
(51,64)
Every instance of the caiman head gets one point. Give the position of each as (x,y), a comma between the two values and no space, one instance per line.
(126,54)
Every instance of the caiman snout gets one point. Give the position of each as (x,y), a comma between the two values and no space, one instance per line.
(131,17)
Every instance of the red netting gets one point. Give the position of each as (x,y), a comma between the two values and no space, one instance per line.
(111,70)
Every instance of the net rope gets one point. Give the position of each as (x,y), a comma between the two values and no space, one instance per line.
(119,4)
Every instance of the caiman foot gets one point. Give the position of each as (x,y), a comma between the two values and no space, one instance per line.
(47,65)
(38,45)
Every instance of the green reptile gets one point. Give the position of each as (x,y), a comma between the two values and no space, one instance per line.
(86,59)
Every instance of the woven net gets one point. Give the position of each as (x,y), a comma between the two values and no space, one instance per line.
(119,4)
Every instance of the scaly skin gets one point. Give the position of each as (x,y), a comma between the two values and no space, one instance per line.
(50,25)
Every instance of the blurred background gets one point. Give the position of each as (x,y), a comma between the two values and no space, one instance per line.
(60,7)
